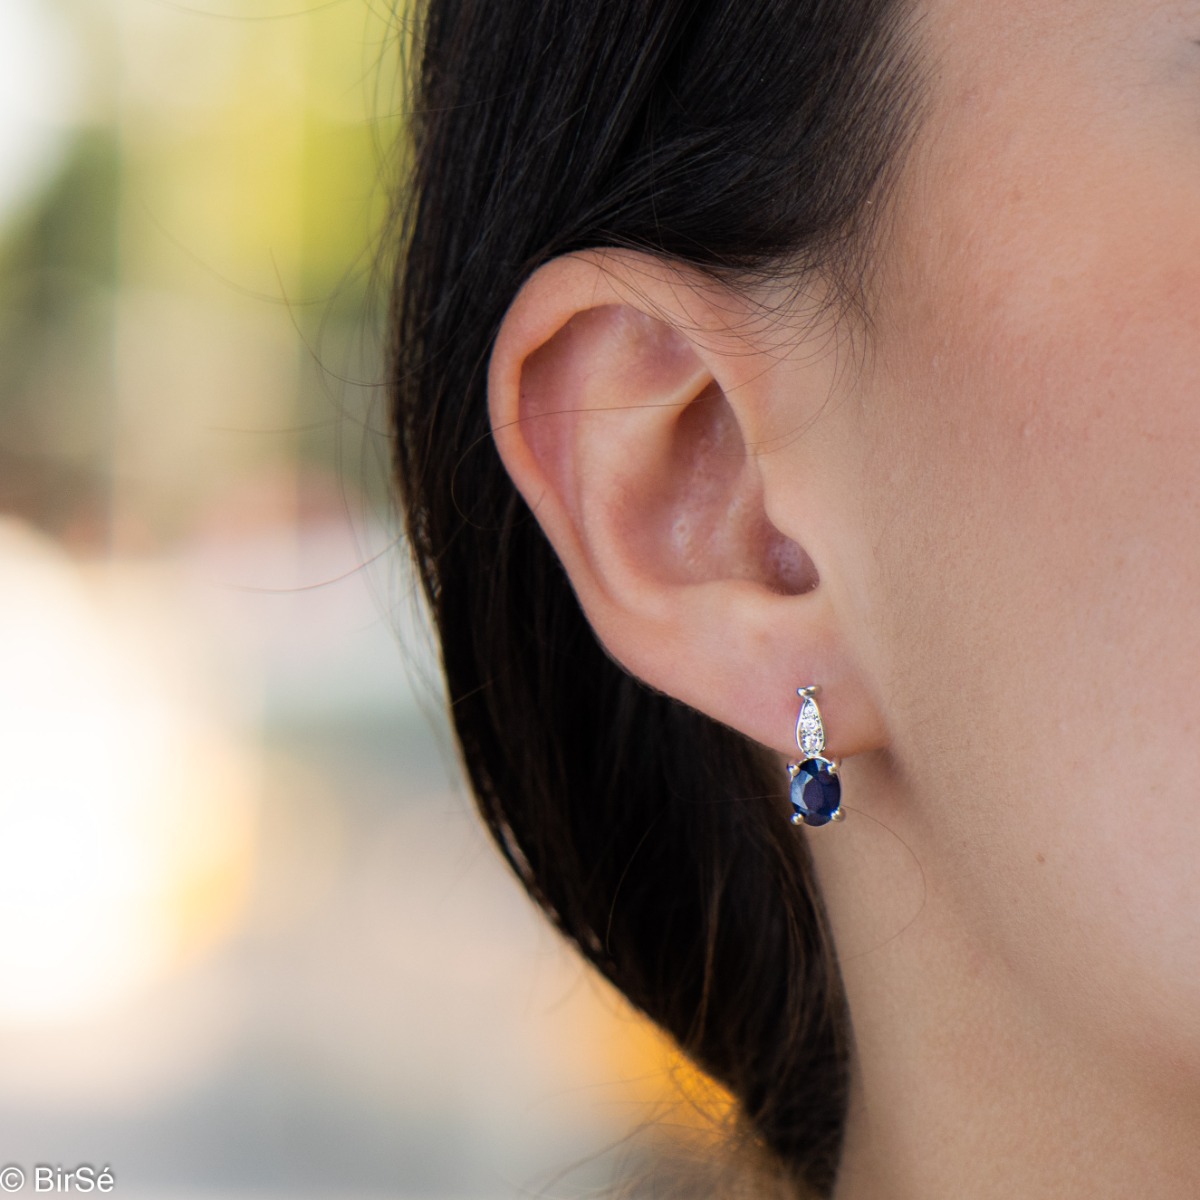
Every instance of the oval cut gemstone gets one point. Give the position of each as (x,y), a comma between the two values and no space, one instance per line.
(816,792)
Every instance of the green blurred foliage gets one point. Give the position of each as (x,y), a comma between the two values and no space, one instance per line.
(188,302)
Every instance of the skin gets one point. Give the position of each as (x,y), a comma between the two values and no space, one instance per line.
(1029,482)
(976,524)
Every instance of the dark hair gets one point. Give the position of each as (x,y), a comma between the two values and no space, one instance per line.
(742,137)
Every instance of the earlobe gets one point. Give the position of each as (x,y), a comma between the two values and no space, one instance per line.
(623,404)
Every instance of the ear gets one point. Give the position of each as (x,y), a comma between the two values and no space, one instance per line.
(634,408)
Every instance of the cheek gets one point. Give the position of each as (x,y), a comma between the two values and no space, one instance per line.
(1033,485)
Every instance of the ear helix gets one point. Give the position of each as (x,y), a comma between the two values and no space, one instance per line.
(816,790)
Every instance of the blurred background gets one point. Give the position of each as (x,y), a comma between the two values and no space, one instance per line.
(252,940)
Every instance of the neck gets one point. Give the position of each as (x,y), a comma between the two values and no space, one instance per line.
(965,1082)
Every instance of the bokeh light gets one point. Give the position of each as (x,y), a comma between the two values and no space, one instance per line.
(125,823)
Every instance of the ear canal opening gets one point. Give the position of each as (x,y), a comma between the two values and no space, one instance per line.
(790,571)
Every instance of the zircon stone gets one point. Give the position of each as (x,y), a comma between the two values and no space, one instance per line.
(816,792)
(810,732)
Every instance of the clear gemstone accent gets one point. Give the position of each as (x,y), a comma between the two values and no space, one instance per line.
(810,732)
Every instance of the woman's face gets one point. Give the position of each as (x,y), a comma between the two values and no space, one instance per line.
(1025,496)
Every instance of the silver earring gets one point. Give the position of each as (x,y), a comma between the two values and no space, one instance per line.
(816,790)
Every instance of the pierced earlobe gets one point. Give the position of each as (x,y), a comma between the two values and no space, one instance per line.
(816,790)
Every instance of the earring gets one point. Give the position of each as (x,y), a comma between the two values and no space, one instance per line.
(816,790)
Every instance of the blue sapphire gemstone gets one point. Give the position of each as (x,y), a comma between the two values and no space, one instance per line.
(816,792)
